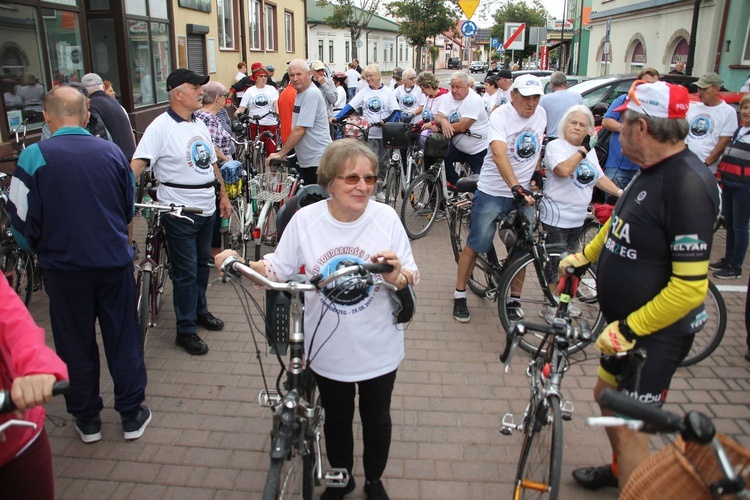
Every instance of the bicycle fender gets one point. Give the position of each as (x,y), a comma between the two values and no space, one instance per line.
(282,443)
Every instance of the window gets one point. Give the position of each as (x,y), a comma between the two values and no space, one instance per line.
(375,52)
(270,24)
(320,50)
(255,25)
(400,52)
(391,52)
(225,11)
(347,51)
(330,51)
(289,31)
(746,50)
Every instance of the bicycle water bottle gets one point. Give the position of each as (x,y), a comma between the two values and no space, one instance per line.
(146,212)
(224,225)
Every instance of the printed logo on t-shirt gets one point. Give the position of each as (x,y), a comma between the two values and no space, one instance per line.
(584,175)
(374,104)
(199,154)
(261,100)
(344,291)
(502,101)
(427,115)
(408,101)
(454,116)
(526,145)
(700,126)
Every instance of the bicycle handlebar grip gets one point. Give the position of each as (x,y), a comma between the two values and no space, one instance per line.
(655,419)
(7,405)
(377,268)
(192,210)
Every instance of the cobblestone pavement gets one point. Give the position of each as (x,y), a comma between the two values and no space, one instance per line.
(209,438)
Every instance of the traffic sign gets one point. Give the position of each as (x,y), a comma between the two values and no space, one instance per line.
(494,43)
(515,36)
(469,28)
(469,7)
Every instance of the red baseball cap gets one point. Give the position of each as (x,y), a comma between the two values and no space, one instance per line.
(257,68)
(657,100)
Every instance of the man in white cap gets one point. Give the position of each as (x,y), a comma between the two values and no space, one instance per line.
(652,265)
(712,122)
(325,84)
(515,144)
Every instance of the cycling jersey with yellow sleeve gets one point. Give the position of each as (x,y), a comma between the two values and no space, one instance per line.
(654,257)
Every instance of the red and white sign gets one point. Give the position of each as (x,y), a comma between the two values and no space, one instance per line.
(544,57)
(515,36)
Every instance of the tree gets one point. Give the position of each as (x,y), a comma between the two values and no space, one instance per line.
(518,11)
(421,20)
(347,15)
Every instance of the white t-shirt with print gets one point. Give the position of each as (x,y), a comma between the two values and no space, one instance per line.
(352,77)
(431,107)
(489,101)
(707,125)
(259,101)
(180,152)
(410,100)
(361,341)
(501,97)
(472,106)
(567,198)
(523,141)
(377,105)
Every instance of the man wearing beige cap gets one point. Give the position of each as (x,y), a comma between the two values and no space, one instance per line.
(712,122)
(325,84)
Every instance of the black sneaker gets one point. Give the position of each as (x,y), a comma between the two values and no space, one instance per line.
(209,322)
(719,264)
(192,344)
(90,432)
(133,427)
(728,273)
(375,490)
(460,311)
(747,355)
(339,493)
(515,313)
(594,478)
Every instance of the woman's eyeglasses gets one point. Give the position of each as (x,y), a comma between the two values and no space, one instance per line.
(353,179)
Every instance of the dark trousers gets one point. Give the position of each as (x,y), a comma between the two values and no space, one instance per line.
(76,301)
(189,252)
(475,161)
(735,203)
(375,413)
(29,475)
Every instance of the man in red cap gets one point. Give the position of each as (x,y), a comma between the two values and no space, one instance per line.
(652,265)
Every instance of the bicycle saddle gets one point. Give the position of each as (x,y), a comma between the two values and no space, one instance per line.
(467,184)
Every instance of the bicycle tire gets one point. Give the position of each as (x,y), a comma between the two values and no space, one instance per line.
(420,207)
(391,184)
(18,270)
(709,337)
(235,233)
(259,157)
(482,278)
(588,233)
(540,462)
(144,306)
(163,272)
(533,300)
(269,236)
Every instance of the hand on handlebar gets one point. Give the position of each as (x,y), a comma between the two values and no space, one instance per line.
(221,257)
(31,390)
(522,196)
(611,341)
(390,258)
(573,260)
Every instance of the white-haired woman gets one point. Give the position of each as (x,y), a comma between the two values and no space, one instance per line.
(572,172)
(409,96)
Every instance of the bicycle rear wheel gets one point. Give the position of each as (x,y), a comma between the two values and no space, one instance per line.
(17,266)
(163,272)
(540,462)
(391,183)
(588,233)
(421,204)
(235,240)
(144,305)
(528,274)
(482,278)
(269,235)
(709,337)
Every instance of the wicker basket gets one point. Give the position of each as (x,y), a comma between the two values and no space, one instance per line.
(683,471)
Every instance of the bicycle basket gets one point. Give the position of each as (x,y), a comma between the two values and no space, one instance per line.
(394,135)
(436,146)
(684,470)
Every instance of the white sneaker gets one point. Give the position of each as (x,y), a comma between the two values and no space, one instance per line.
(548,313)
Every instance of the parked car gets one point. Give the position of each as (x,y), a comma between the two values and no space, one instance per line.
(479,67)
(536,72)
(572,80)
(454,63)
(598,93)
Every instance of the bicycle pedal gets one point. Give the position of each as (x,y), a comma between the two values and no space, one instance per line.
(567,410)
(336,478)
(490,294)
(268,398)
(508,425)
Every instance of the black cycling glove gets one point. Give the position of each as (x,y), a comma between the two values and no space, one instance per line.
(519,193)
(587,142)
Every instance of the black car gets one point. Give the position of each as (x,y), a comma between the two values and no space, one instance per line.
(454,63)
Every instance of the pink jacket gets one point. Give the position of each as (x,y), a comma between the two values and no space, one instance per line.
(22,352)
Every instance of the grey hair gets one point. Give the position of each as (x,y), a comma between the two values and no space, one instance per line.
(212,90)
(668,130)
(558,79)
(427,79)
(460,75)
(578,108)
(371,68)
(408,73)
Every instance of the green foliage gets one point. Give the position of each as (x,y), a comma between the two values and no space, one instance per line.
(423,19)
(518,11)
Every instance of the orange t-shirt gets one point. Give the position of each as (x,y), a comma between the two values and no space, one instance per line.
(286,108)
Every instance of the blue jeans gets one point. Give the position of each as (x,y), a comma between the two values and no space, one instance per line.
(350,91)
(189,252)
(486,212)
(620,177)
(735,202)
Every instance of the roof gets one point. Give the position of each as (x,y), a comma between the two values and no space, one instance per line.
(318,15)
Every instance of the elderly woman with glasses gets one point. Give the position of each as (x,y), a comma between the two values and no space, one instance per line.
(356,344)
(409,96)
(573,171)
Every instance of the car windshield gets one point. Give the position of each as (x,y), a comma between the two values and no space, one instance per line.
(590,84)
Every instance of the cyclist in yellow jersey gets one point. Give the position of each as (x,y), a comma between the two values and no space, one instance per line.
(652,264)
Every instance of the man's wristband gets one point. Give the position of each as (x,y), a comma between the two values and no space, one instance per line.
(626,332)
(582,153)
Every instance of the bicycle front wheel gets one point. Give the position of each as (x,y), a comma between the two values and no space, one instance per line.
(709,337)
(421,204)
(144,306)
(235,238)
(588,233)
(17,268)
(269,235)
(539,466)
(524,281)
(391,184)
(162,272)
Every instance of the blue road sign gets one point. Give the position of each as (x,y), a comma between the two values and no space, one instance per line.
(494,43)
(469,28)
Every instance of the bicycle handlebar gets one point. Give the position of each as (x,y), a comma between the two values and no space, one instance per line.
(255,118)
(177,209)
(7,405)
